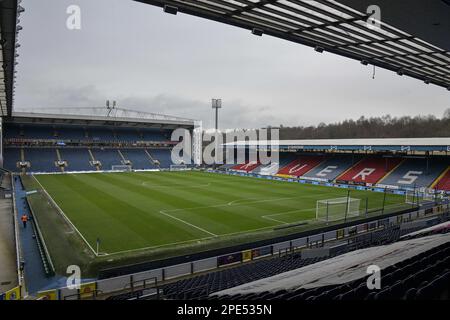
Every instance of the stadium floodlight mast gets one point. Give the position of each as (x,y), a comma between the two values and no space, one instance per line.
(217,104)
(109,107)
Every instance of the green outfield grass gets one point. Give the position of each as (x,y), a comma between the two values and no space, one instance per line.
(143,211)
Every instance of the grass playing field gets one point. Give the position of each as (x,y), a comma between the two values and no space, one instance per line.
(135,211)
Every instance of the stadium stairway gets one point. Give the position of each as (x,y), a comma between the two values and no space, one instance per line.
(77,159)
(284,160)
(415,172)
(107,157)
(161,155)
(41,159)
(139,159)
(369,170)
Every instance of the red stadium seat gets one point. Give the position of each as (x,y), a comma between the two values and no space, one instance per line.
(369,170)
(444,182)
(301,166)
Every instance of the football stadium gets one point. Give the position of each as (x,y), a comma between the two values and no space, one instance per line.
(103,196)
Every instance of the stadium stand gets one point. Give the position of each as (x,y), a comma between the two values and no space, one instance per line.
(77,159)
(77,144)
(370,170)
(139,159)
(10,158)
(227,166)
(443,182)
(415,172)
(41,159)
(247,167)
(284,160)
(202,286)
(107,157)
(38,131)
(162,156)
(331,167)
(71,133)
(153,135)
(422,276)
(301,166)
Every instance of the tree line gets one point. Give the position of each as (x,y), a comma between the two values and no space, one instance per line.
(374,127)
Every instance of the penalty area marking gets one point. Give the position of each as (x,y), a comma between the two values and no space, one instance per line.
(156,186)
(188,223)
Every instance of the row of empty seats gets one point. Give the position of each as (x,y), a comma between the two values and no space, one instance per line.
(443,182)
(393,171)
(424,276)
(81,159)
(203,285)
(15,131)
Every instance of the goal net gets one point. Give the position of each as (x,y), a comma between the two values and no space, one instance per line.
(419,196)
(178,167)
(121,167)
(337,208)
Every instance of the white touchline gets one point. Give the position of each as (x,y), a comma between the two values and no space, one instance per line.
(213,235)
(189,224)
(276,220)
(161,245)
(65,217)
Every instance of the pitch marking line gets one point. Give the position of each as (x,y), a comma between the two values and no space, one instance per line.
(205,238)
(65,217)
(233,203)
(187,223)
(156,186)
(269,216)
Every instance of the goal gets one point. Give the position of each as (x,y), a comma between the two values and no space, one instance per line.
(337,208)
(121,167)
(178,167)
(419,196)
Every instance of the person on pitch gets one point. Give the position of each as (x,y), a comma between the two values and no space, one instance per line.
(24,220)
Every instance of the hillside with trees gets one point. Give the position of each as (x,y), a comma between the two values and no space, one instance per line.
(374,127)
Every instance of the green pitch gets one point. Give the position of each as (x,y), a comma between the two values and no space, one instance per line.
(134,211)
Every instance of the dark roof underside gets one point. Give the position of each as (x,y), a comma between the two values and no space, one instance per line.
(8,32)
(337,28)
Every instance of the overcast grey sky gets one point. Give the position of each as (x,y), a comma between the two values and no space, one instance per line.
(151,61)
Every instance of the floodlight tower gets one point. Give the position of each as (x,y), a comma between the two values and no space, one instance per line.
(109,108)
(217,104)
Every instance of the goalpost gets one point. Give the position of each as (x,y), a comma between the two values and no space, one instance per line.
(337,208)
(420,196)
(121,167)
(178,167)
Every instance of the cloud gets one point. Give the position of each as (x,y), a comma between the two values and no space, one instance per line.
(150,61)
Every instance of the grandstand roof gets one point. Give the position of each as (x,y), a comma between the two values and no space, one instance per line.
(396,144)
(413,38)
(101,116)
(9,13)
(341,269)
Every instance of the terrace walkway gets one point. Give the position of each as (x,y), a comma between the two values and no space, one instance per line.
(8,272)
(35,277)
